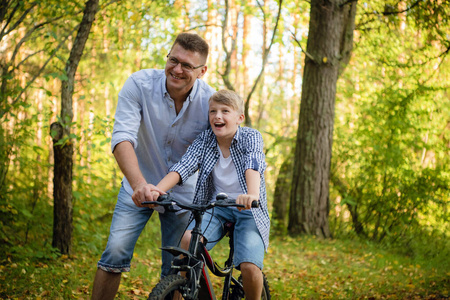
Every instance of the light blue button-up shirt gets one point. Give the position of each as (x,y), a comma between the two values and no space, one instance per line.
(146,117)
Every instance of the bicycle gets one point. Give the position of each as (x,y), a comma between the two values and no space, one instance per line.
(196,283)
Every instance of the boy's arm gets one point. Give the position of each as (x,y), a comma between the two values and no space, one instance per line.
(253,179)
(168,182)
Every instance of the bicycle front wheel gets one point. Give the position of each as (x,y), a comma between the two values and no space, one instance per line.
(168,288)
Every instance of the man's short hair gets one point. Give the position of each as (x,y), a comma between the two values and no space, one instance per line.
(192,42)
(229,98)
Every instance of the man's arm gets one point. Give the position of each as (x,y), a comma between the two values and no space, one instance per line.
(128,163)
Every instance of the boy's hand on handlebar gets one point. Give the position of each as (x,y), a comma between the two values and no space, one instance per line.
(246,199)
(146,192)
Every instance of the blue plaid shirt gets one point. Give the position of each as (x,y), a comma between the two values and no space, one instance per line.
(246,152)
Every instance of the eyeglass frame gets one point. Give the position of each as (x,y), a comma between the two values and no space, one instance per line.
(185,66)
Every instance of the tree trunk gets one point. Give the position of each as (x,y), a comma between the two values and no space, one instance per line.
(282,194)
(327,48)
(62,191)
(62,145)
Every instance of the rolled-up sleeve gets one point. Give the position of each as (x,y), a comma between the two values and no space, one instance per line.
(254,158)
(128,115)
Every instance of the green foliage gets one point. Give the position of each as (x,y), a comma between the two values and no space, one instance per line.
(391,172)
(26,146)
(23,198)
(29,41)
(390,153)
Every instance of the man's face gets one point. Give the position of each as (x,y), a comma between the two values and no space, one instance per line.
(179,78)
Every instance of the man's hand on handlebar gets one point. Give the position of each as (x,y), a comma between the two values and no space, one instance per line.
(146,192)
(246,199)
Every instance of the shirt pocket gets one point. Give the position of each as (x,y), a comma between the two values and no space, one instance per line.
(190,130)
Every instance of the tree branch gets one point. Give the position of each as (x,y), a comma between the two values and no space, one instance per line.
(55,51)
(265,56)
(18,22)
(28,34)
(108,4)
(4,11)
(67,85)
(301,48)
(228,53)
(386,13)
(26,58)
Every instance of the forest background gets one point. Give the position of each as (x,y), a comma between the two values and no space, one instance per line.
(390,162)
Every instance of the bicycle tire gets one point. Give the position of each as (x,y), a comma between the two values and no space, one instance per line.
(166,288)
(237,293)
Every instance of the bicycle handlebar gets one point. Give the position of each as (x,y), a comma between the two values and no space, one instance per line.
(222,201)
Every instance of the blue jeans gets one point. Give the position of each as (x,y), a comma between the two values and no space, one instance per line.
(248,243)
(127,224)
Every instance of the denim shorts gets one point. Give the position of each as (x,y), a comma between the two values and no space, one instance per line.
(127,224)
(248,243)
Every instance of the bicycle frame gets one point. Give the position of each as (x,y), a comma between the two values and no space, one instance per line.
(193,262)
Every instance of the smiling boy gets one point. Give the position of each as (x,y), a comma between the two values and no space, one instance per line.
(229,159)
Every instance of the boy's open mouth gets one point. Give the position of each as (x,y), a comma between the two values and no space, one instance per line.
(219,125)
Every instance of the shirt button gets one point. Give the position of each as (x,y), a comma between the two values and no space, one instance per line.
(168,142)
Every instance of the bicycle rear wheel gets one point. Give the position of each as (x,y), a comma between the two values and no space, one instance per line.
(168,287)
(237,292)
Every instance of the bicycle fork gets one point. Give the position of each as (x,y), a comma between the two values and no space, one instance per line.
(198,285)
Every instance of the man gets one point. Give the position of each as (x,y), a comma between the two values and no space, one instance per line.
(159,114)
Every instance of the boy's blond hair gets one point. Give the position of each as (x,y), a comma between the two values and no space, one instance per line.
(229,98)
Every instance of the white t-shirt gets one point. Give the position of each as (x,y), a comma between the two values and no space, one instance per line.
(225,177)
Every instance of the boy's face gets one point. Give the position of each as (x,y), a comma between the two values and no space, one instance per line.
(224,120)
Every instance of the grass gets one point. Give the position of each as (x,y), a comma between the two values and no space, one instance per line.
(296,268)
(336,269)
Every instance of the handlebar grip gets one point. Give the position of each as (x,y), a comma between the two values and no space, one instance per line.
(161,198)
(164,197)
(149,202)
(255,204)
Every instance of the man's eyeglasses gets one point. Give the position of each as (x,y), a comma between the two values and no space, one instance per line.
(185,66)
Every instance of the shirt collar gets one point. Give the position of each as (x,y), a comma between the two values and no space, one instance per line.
(213,141)
(236,136)
(194,91)
(191,95)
